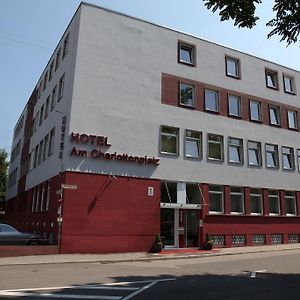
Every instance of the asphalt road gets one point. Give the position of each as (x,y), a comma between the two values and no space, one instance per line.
(251,276)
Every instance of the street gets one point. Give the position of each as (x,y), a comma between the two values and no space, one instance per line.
(269,275)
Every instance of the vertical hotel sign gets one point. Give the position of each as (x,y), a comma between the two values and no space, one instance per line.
(62,136)
(99,141)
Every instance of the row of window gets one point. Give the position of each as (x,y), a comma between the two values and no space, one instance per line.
(41,197)
(187,55)
(40,153)
(19,126)
(237,201)
(12,178)
(48,106)
(187,98)
(169,144)
(54,65)
(257,239)
(15,152)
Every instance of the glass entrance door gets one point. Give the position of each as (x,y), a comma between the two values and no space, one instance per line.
(191,228)
(168,227)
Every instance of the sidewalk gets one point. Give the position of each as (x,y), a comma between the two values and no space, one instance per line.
(140,256)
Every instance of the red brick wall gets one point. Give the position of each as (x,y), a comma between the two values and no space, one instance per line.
(107,214)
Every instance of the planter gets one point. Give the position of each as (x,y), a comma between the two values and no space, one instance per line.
(207,246)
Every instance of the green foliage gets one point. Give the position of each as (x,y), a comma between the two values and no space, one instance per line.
(286,24)
(3,173)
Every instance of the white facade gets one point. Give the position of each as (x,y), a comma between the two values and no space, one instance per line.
(113,76)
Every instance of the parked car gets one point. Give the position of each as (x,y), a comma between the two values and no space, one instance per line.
(11,236)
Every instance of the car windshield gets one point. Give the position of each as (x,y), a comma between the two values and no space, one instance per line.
(7,228)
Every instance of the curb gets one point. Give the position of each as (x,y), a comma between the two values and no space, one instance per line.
(157,257)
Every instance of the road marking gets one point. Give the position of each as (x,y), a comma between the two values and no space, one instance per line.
(66,296)
(140,290)
(253,273)
(103,286)
(133,282)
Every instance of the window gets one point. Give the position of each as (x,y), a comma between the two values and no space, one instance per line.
(234,106)
(211,99)
(51,70)
(186,53)
(274,113)
(40,152)
(298,159)
(216,199)
(271,79)
(36,121)
(51,142)
(274,206)
(237,200)
(61,87)
(215,147)
(272,160)
(288,162)
(36,152)
(254,153)
(290,203)
(57,63)
(255,110)
(45,80)
(256,201)
(53,98)
(235,150)
(169,140)
(45,147)
(193,144)
(289,84)
(187,94)
(47,107)
(292,119)
(66,46)
(232,67)
(41,115)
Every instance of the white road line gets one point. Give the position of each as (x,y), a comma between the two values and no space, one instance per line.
(140,290)
(106,287)
(59,296)
(134,282)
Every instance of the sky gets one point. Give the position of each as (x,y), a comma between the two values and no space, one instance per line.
(31,29)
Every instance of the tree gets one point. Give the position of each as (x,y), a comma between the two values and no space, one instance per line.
(3,173)
(286,24)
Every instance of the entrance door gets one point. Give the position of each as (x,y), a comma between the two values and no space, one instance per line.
(169,227)
(191,233)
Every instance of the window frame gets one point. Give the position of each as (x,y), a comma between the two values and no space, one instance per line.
(292,196)
(239,104)
(221,143)
(298,158)
(273,75)
(240,150)
(242,194)
(288,155)
(295,119)
(217,99)
(61,87)
(194,139)
(192,53)
(221,192)
(252,194)
(259,120)
(273,195)
(259,154)
(276,151)
(277,115)
(237,67)
(176,136)
(193,88)
(292,84)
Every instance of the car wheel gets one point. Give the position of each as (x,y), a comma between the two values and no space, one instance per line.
(33,242)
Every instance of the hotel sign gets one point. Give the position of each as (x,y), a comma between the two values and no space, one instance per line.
(102,141)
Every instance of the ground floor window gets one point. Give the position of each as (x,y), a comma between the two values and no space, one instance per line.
(256,201)
(216,199)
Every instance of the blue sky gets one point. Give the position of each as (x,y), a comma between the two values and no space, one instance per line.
(31,29)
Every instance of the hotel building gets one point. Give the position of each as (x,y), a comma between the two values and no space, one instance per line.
(135,129)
